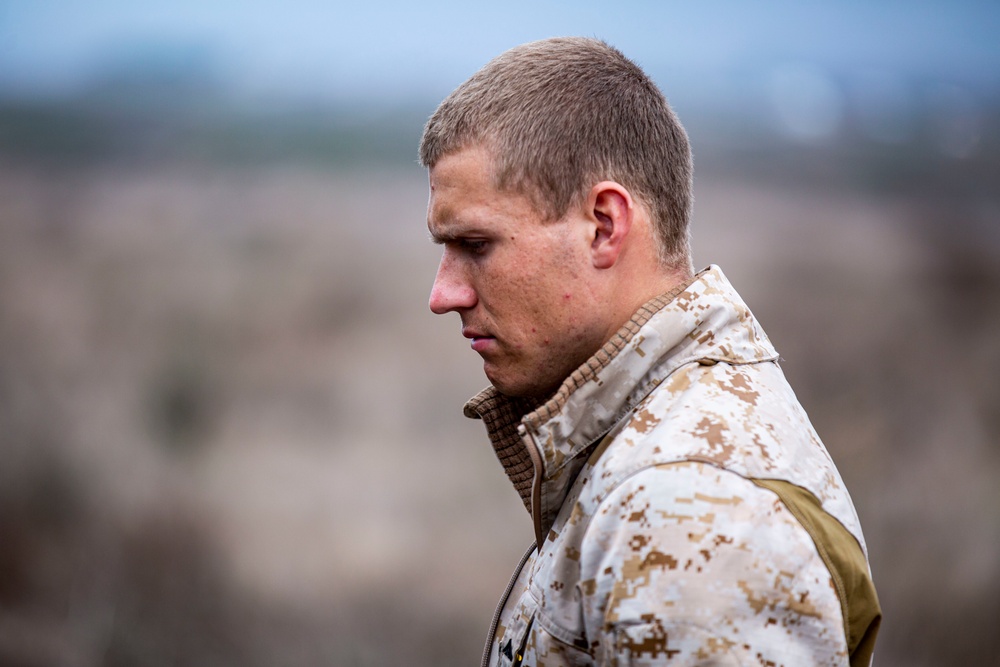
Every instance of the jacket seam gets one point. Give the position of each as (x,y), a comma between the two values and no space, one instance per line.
(810,528)
(559,633)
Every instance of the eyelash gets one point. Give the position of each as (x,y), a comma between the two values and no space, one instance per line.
(475,246)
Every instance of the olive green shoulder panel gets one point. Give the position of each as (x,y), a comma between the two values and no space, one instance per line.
(846,561)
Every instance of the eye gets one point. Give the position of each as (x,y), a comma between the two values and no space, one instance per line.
(474,246)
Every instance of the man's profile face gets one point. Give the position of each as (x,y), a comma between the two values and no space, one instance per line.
(519,283)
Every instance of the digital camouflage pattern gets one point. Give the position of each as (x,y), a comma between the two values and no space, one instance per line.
(685,510)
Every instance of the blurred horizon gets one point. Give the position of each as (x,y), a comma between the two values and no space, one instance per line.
(884,74)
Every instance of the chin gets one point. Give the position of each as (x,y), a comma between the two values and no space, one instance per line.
(523,390)
(505,388)
(508,388)
(520,387)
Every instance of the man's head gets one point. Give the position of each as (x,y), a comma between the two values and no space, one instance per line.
(560,189)
(561,114)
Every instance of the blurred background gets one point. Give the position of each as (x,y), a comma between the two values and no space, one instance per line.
(230,429)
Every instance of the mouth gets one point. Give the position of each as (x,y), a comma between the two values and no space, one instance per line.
(483,344)
(480,340)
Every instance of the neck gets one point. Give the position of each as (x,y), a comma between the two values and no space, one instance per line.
(634,288)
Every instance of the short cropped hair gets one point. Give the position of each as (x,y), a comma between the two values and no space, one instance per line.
(560,115)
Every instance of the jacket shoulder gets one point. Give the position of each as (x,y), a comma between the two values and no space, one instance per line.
(742,418)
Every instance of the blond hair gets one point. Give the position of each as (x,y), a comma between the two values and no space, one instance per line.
(558,116)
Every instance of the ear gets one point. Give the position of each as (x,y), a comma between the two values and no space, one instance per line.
(611,208)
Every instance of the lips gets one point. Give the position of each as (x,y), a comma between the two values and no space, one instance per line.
(483,344)
(481,341)
(472,332)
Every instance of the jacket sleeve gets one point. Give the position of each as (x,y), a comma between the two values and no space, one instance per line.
(687,564)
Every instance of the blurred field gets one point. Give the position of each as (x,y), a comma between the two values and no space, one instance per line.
(232,430)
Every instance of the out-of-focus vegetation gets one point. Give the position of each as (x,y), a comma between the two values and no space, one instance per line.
(232,431)
(89,131)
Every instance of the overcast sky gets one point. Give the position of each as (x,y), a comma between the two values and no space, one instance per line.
(396,49)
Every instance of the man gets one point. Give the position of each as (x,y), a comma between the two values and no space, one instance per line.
(685,511)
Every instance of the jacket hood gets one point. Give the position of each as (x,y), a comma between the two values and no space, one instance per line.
(543,447)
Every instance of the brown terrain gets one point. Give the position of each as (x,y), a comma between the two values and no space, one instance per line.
(232,430)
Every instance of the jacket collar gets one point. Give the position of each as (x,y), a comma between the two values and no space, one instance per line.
(542,448)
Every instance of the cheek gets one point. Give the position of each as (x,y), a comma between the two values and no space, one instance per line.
(538,293)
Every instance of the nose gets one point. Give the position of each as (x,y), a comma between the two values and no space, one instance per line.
(452,291)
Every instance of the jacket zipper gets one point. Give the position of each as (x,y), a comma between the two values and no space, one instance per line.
(536,460)
(502,603)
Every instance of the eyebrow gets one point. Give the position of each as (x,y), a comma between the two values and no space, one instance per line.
(439,239)
(462,231)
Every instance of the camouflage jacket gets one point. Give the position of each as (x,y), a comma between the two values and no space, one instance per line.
(685,511)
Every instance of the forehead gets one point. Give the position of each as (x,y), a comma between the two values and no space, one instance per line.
(462,195)
(462,175)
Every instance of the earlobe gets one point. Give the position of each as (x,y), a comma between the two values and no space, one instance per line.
(611,207)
